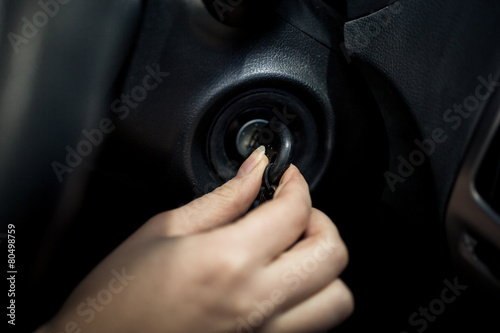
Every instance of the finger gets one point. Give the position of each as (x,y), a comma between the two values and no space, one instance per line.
(277,224)
(322,311)
(311,264)
(223,205)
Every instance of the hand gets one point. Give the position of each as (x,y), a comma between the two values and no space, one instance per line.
(210,267)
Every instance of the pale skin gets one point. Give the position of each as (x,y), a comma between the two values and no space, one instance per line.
(204,267)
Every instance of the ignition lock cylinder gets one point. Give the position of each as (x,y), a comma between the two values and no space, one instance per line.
(274,118)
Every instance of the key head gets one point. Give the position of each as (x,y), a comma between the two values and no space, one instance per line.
(280,153)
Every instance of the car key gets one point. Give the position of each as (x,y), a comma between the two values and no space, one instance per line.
(279,153)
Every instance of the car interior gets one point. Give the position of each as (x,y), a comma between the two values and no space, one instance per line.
(113,111)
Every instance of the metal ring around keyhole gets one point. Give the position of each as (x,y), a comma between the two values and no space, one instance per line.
(233,125)
(247,139)
(278,144)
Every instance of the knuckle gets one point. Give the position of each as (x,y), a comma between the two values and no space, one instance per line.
(227,195)
(344,252)
(305,209)
(341,255)
(338,256)
(301,212)
(345,301)
(241,304)
(233,263)
(227,191)
(222,195)
(318,214)
(339,251)
(161,224)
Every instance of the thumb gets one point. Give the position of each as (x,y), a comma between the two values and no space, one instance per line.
(223,205)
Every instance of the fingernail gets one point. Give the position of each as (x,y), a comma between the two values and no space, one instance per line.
(251,162)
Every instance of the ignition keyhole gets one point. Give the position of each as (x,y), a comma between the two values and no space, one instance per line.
(248,137)
(278,141)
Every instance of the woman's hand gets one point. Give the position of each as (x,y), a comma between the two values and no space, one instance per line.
(210,267)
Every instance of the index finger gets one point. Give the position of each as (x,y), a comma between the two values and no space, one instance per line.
(276,225)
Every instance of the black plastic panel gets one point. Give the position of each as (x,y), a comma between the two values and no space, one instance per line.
(488,176)
(472,223)
(436,56)
(209,64)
